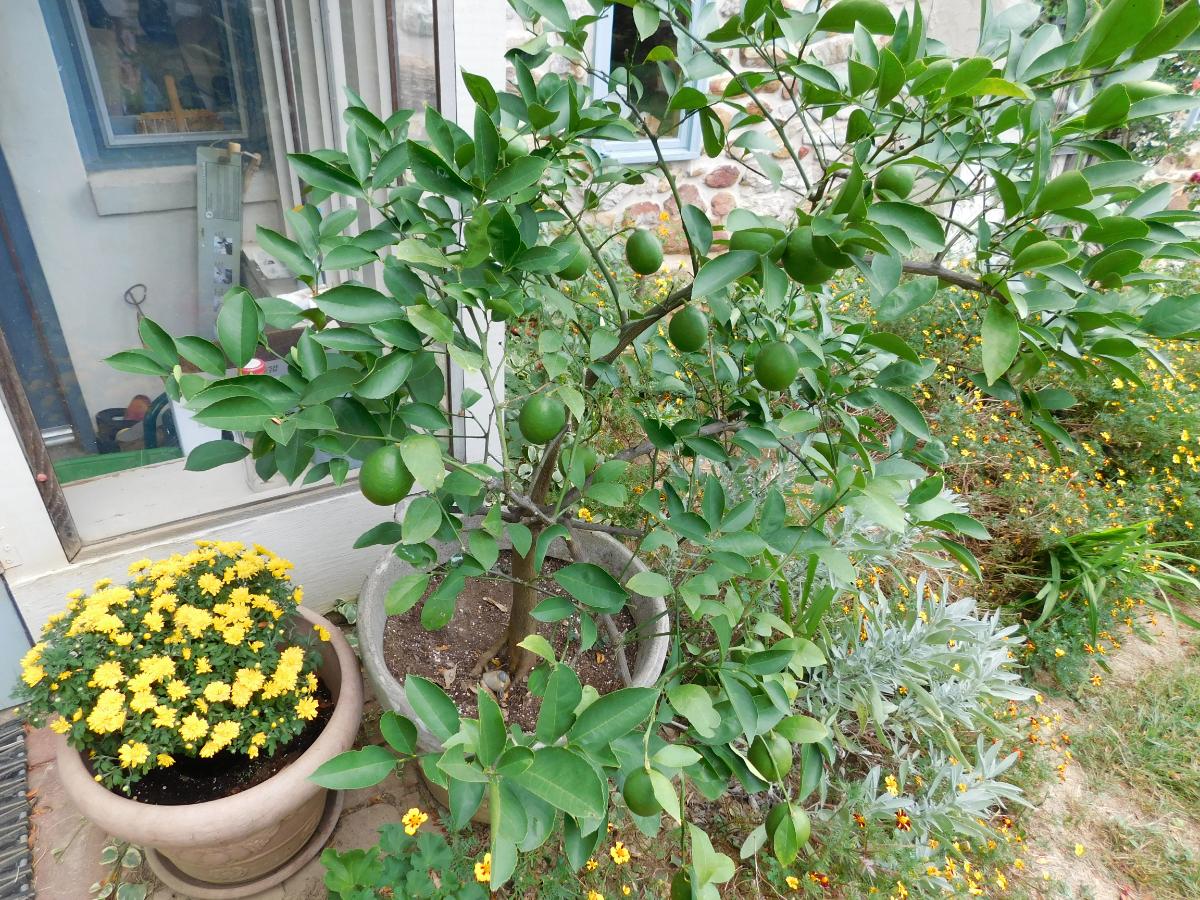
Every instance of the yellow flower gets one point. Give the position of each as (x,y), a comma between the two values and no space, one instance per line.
(216,692)
(483,870)
(585,514)
(60,726)
(592,865)
(306,708)
(193,727)
(165,760)
(142,701)
(322,632)
(595,895)
(413,820)
(1080,850)
(108,714)
(619,853)
(133,754)
(203,666)
(165,716)
(31,675)
(177,689)
(793,882)
(209,584)
(108,674)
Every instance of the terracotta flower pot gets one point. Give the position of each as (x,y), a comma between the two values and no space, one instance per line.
(241,844)
(649,613)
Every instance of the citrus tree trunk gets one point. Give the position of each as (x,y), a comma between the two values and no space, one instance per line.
(521,623)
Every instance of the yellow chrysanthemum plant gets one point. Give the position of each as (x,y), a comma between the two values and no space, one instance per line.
(197,655)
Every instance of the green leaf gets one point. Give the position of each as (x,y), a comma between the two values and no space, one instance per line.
(239,322)
(921,226)
(565,781)
(1108,108)
(357,304)
(967,75)
(845,14)
(386,376)
(236,414)
(422,520)
(286,251)
(523,172)
(694,703)
(211,454)
(429,321)
(562,696)
(539,646)
(399,732)
(325,176)
(710,866)
(436,175)
(802,729)
(1120,25)
(613,715)
(722,271)
(422,453)
(493,735)
(1170,32)
(1039,255)
(908,297)
(432,706)
(205,355)
(592,586)
(1001,340)
(1173,316)
(158,343)
(347,256)
(355,769)
(649,584)
(404,593)
(1067,190)
(418,253)
(906,413)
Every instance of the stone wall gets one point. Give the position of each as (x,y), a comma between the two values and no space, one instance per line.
(725,183)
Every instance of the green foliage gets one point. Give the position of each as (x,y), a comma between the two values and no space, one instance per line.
(475,227)
(414,866)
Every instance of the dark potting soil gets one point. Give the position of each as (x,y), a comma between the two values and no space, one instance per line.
(196,780)
(447,656)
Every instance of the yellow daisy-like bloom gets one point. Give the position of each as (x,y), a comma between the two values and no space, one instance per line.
(165,717)
(483,869)
(108,714)
(132,754)
(592,865)
(216,692)
(209,584)
(60,726)
(413,820)
(619,853)
(142,701)
(177,689)
(165,760)
(192,727)
(306,708)
(203,666)
(31,675)
(108,674)
(793,882)
(595,895)
(322,632)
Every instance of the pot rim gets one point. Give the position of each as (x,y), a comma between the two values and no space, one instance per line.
(389,689)
(241,813)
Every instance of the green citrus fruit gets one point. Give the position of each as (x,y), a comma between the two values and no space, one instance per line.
(384,478)
(541,418)
(639,793)
(776,366)
(643,252)
(688,330)
(800,260)
(681,885)
(771,754)
(578,265)
(897,179)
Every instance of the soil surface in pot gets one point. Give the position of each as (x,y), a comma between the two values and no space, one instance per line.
(447,656)
(196,780)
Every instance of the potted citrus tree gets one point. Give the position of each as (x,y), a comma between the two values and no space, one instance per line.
(904,158)
(192,705)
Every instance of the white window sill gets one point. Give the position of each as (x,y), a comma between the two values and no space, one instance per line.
(119,192)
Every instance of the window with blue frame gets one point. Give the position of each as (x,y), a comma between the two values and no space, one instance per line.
(148,80)
(622,69)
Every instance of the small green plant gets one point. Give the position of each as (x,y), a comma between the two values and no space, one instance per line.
(123,881)
(408,862)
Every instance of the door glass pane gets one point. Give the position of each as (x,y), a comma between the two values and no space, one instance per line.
(629,52)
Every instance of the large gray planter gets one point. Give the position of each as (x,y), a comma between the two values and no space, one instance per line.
(650,614)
